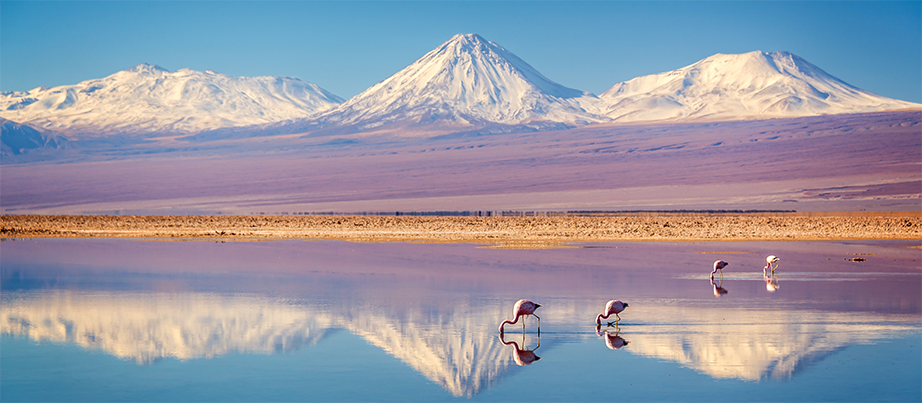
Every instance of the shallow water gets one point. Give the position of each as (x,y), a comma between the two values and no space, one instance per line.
(128,320)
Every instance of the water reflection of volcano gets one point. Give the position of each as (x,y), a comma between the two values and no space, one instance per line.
(457,349)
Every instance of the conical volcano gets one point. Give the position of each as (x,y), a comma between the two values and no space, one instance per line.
(467,80)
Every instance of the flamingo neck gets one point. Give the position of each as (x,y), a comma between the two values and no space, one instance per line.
(507,321)
(598,319)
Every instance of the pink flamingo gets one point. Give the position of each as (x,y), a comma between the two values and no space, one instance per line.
(523,307)
(613,342)
(521,356)
(770,263)
(719,265)
(613,307)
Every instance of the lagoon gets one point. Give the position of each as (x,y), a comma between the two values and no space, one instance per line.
(142,320)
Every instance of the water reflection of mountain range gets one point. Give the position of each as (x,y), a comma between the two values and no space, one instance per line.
(457,350)
(753,344)
(145,328)
(455,347)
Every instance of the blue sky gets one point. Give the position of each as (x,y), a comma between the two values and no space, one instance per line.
(347,46)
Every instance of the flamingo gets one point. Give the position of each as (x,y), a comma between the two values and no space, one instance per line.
(613,307)
(521,356)
(770,263)
(719,265)
(613,342)
(523,307)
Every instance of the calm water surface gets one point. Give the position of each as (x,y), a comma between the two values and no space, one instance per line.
(129,320)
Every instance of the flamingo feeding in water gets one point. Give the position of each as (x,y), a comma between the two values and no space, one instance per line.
(613,307)
(770,263)
(719,265)
(523,307)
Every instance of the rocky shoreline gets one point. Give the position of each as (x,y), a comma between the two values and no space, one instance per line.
(501,230)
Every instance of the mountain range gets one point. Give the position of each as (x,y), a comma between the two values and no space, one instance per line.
(150,99)
(467,83)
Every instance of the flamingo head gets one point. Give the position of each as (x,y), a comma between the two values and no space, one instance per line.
(626,305)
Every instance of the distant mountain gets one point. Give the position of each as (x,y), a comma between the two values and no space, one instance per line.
(466,81)
(743,86)
(150,99)
(18,138)
(468,85)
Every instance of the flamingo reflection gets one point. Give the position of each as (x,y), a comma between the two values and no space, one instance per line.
(613,307)
(719,290)
(771,282)
(522,356)
(523,307)
(612,341)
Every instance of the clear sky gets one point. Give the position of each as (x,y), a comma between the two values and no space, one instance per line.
(347,46)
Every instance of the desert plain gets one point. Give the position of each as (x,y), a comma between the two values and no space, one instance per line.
(536,230)
(817,178)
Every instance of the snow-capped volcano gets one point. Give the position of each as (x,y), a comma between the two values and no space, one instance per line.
(148,98)
(466,80)
(742,86)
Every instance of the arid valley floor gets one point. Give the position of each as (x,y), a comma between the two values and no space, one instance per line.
(864,162)
(510,231)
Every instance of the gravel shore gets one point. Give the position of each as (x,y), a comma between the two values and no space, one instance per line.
(492,230)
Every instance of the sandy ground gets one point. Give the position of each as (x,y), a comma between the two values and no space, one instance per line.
(491,230)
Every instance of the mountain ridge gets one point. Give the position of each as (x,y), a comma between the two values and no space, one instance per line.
(465,86)
(147,98)
(737,87)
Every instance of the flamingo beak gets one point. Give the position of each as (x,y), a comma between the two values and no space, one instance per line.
(537,306)
(626,305)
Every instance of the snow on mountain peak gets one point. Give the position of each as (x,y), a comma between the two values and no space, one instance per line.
(739,86)
(145,68)
(465,80)
(147,98)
